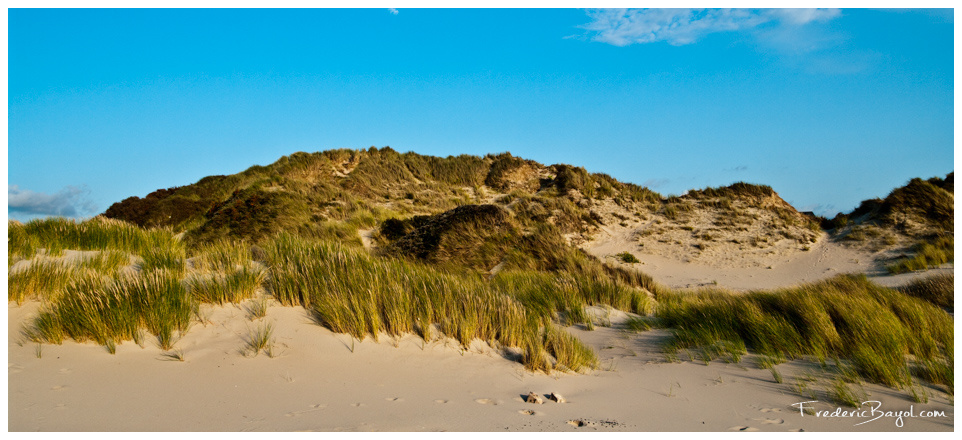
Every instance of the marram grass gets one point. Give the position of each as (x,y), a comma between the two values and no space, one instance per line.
(106,262)
(350,291)
(927,255)
(878,329)
(97,233)
(233,287)
(42,278)
(108,310)
(222,256)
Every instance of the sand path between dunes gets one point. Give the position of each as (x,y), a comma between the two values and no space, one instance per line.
(321,381)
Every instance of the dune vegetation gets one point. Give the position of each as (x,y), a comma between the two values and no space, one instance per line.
(468,248)
(884,335)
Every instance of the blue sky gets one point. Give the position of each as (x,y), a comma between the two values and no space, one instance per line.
(828,107)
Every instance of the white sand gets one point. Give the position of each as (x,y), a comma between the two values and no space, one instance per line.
(318,384)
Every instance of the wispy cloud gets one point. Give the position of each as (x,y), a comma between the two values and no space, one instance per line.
(392,11)
(71,201)
(622,27)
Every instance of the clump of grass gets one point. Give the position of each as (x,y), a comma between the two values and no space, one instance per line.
(257,308)
(843,394)
(352,292)
(20,245)
(233,287)
(98,233)
(927,255)
(222,255)
(109,310)
(846,316)
(172,259)
(260,338)
(42,278)
(627,257)
(569,352)
(776,375)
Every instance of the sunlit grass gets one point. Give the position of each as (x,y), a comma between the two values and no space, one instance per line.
(172,259)
(106,262)
(260,338)
(222,256)
(349,291)
(233,287)
(98,233)
(846,316)
(42,278)
(927,255)
(109,310)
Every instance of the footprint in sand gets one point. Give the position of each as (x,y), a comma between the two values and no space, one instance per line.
(58,387)
(528,412)
(577,423)
(61,406)
(765,410)
(394,399)
(441,401)
(357,405)
(65,371)
(14,368)
(486,401)
(771,421)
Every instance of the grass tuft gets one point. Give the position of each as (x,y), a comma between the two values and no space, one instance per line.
(261,338)
(257,308)
(844,394)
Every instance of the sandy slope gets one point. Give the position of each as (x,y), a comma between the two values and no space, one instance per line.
(783,264)
(317,383)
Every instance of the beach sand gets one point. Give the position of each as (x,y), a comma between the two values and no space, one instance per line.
(321,381)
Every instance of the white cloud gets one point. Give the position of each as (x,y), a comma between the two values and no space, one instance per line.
(71,201)
(622,27)
(392,11)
